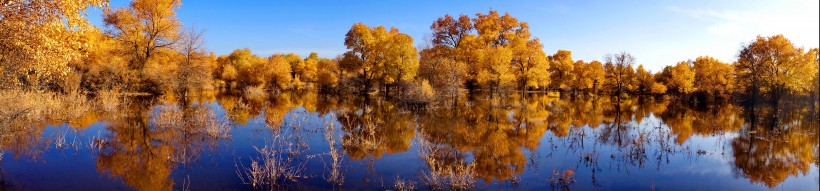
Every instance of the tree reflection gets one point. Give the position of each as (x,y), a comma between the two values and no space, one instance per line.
(144,146)
(494,136)
(685,122)
(477,139)
(239,109)
(784,144)
(376,129)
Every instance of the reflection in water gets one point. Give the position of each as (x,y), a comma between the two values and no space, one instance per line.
(498,140)
(769,154)
(376,129)
(144,146)
(492,136)
(685,122)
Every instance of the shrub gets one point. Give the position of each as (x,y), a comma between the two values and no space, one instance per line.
(658,88)
(108,100)
(254,93)
(418,93)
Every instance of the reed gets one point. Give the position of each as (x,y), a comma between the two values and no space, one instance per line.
(404,185)
(274,166)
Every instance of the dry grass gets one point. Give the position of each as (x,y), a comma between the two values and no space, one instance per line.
(335,174)
(563,179)
(97,142)
(366,139)
(210,124)
(192,121)
(417,94)
(60,139)
(442,176)
(198,124)
(254,93)
(108,101)
(404,185)
(274,165)
(24,113)
(36,106)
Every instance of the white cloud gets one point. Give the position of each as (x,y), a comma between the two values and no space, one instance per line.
(720,30)
(797,20)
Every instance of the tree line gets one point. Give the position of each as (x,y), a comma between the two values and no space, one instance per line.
(145,48)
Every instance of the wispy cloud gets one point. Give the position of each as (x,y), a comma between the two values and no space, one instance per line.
(798,22)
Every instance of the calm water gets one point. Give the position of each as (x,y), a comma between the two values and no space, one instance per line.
(503,144)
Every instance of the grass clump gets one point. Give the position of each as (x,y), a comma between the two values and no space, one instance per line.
(404,185)
(442,175)
(275,165)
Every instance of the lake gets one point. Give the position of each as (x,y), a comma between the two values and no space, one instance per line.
(308,141)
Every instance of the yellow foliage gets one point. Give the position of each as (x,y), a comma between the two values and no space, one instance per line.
(773,65)
(619,73)
(682,78)
(277,72)
(657,88)
(309,71)
(531,65)
(645,80)
(40,38)
(713,76)
(327,77)
(145,28)
(379,54)
(496,71)
(561,68)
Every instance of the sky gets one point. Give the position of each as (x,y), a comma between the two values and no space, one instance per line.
(657,33)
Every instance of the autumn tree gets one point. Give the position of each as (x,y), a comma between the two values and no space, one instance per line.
(310,68)
(497,35)
(617,69)
(144,29)
(470,52)
(658,88)
(276,72)
(101,68)
(449,32)
(225,72)
(441,62)
(644,79)
(713,77)
(327,78)
(40,38)
(468,47)
(297,66)
(631,80)
(531,65)
(681,78)
(588,76)
(378,55)
(402,61)
(444,62)
(582,80)
(440,69)
(597,74)
(248,68)
(194,68)
(496,72)
(775,67)
(561,67)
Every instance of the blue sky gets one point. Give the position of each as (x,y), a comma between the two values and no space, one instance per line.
(657,33)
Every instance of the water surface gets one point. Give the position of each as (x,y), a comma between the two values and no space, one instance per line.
(533,142)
